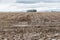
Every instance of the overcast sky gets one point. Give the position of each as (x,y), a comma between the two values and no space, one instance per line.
(40,5)
(30,1)
(27,1)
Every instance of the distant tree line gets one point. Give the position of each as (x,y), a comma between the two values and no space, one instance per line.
(33,10)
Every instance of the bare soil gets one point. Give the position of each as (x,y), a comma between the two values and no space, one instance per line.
(30,26)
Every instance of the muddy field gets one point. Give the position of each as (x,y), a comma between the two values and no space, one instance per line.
(30,26)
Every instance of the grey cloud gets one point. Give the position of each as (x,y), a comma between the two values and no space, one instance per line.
(28,1)
(35,1)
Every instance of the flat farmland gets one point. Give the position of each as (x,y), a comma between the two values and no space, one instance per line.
(29,25)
